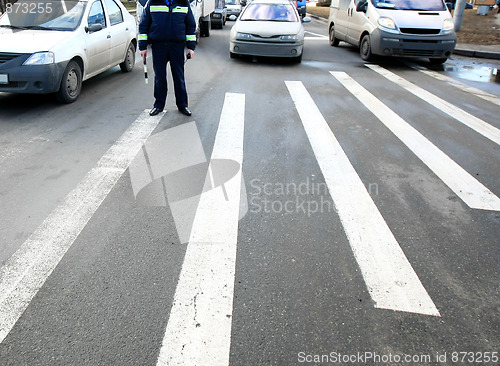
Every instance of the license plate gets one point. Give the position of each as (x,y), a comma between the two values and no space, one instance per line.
(4,79)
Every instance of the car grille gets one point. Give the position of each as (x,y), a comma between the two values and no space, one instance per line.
(417,53)
(419,31)
(5,57)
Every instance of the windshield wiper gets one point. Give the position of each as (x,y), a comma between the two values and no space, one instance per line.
(12,26)
(38,27)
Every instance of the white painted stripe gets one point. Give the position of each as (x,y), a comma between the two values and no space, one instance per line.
(317,34)
(460,115)
(199,326)
(390,278)
(27,270)
(315,38)
(469,189)
(468,89)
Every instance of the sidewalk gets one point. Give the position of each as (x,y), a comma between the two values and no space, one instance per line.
(480,51)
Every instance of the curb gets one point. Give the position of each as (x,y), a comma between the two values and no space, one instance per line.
(478,54)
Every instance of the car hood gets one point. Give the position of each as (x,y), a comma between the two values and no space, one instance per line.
(267,28)
(416,19)
(28,41)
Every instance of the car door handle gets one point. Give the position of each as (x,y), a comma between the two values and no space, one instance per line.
(109,36)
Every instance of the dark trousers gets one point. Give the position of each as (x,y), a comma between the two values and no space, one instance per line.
(164,53)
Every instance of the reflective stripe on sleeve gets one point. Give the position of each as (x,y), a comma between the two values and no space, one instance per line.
(191,37)
(143,37)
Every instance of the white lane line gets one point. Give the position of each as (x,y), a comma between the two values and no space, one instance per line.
(199,327)
(27,270)
(389,276)
(460,115)
(469,189)
(469,89)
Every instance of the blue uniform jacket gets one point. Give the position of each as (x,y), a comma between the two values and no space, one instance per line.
(167,21)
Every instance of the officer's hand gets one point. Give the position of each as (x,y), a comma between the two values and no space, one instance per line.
(144,54)
(190,53)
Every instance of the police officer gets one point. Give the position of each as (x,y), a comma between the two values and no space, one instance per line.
(168,25)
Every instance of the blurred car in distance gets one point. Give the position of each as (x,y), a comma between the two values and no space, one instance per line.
(233,7)
(219,16)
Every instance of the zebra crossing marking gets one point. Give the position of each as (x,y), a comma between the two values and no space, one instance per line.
(460,115)
(469,89)
(199,327)
(469,189)
(389,276)
(27,270)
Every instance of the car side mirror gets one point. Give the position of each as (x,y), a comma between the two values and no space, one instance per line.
(306,20)
(93,28)
(362,6)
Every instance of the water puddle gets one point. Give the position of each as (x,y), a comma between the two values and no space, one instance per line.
(475,73)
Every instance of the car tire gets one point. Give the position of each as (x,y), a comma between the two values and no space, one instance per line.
(298,59)
(334,42)
(71,83)
(233,55)
(365,48)
(205,28)
(128,64)
(438,61)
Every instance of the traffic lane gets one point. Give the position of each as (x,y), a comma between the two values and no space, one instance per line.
(47,148)
(410,198)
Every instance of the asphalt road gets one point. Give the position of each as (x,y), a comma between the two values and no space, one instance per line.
(362,228)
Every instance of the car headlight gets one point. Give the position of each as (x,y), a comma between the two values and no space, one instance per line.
(289,37)
(448,25)
(243,36)
(386,23)
(40,58)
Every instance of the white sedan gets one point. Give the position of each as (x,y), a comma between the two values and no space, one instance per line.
(268,28)
(52,46)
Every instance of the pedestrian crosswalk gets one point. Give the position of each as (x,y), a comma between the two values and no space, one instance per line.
(200,322)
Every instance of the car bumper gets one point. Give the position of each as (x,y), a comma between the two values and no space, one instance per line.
(32,79)
(266,49)
(233,12)
(403,45)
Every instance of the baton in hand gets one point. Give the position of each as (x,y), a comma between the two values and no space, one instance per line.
(145,71)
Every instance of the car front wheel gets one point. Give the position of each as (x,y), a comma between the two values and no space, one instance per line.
(365,48)
(334,42)
(71,84)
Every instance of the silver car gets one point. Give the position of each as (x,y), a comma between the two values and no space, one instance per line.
(268,28)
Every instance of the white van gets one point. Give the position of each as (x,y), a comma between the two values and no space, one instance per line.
(401,28)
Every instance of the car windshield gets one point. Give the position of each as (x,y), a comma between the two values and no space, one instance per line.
(433,5)
(43,14)
(269,12)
